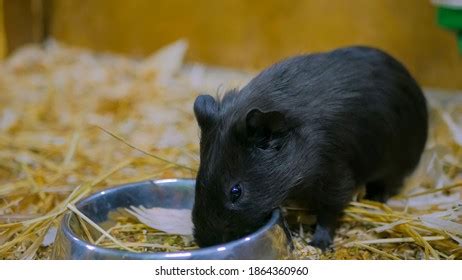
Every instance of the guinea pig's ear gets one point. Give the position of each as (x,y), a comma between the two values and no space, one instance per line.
(263,128)
(205,110)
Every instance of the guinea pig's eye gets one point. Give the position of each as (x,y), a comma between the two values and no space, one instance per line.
(235,192)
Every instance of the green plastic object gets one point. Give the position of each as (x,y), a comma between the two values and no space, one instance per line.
(451,18)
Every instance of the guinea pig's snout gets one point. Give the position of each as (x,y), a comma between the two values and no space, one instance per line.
(210,237)
(229,236)
(218,232)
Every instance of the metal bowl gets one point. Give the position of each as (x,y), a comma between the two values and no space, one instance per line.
(268,242)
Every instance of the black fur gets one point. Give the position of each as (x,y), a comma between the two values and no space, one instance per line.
(310,128)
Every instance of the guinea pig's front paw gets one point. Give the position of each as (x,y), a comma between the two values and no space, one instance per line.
(322,238)
(322,243)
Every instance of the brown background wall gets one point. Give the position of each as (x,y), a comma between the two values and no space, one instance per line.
(2,32)
(252,34)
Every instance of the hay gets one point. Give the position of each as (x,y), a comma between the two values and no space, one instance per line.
(129,234)
(73,122)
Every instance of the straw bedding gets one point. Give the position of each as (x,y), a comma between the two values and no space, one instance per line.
(73,122)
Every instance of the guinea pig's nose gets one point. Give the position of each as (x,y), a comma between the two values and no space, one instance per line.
(230,236)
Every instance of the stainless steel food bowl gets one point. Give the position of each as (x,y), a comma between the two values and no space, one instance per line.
(269,242)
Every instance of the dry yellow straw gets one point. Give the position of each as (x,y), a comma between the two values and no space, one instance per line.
(145,152)
(98,228)
(375,250)
(398,240)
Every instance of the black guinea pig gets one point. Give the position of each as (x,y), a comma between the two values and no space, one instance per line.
(311,128)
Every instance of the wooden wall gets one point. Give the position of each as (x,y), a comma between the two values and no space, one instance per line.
(2,33)
(252,34)
(24,22)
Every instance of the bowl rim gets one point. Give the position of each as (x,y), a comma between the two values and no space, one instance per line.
(70,235)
